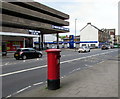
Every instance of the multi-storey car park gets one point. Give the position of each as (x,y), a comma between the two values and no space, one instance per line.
(20,18)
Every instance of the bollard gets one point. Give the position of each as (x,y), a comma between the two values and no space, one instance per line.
(53,61)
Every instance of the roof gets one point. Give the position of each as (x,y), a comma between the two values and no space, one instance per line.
(92,26)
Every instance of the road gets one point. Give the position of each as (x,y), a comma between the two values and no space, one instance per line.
(22,75)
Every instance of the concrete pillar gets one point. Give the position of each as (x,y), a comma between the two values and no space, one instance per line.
(39,42)
(24,42)
(42,41)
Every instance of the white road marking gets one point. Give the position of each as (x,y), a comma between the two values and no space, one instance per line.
(9,96)
(38,59)
(63,76)
(11,73)
(84,57)
(38,83)
(23,89)
(25,70)
(78,68)
(1,65)
(100,62)
(7,63)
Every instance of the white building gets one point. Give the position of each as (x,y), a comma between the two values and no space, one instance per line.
(89,36)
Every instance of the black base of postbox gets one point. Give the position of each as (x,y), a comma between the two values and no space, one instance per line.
(53,84)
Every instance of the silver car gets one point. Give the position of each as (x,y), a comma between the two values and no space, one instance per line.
(84,49)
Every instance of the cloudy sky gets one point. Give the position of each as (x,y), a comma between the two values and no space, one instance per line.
(101,13)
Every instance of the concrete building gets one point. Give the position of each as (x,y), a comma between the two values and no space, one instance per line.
(20,18)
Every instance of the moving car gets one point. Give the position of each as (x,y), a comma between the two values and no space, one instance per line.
(25,53)
(104,47)
(84,49)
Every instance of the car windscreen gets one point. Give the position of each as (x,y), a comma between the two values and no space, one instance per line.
(25,50)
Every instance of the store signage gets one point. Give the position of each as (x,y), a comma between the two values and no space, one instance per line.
(34,32)
(60,28)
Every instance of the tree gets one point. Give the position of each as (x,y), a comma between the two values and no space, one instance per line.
(62,37)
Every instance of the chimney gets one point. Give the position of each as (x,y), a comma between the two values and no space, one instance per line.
(89,23)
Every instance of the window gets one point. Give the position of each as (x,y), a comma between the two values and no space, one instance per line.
(93,45)
(32,49)
(83,44)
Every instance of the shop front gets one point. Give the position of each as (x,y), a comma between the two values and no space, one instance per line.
(12,43)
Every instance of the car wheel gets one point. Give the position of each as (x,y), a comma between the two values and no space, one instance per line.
(78,51)
(89,51)
(40,55)
(24,57)
(17,58)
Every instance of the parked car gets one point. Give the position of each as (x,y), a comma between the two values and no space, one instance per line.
(25,53)
(4,53)
(111,46)
(54,47)
(84,49)
(104,47)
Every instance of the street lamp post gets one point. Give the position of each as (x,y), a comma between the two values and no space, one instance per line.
(75,34)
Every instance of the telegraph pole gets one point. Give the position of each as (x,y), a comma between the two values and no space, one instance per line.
(75,34)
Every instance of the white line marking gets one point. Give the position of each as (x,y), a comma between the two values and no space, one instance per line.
(78,68)
(100,62)
(38,83)
(9,96)
(25,70)
(23,89)
(84,57)
(7,63)
(2,75)
(37,58)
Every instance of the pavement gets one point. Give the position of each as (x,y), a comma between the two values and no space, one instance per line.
(99,80)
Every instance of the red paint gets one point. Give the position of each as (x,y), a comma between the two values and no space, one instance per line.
(53,59)
(13,45)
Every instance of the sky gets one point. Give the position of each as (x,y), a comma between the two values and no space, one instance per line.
(101,13)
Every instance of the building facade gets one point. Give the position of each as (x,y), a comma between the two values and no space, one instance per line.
(89,36)
(94,37)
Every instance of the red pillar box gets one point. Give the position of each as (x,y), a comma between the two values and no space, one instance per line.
(53,59)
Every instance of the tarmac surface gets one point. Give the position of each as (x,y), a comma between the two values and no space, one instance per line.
(100,80)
